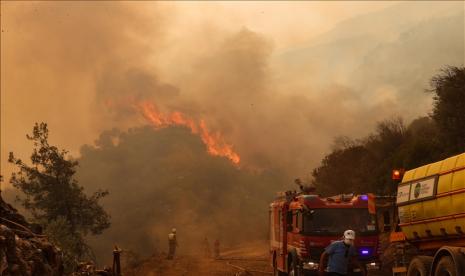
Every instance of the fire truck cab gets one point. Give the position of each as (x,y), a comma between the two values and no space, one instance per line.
(303,225)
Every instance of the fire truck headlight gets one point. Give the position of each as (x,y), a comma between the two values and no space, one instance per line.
(372,266)
(311,265)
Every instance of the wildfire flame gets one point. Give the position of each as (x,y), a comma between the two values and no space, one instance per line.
(213,140)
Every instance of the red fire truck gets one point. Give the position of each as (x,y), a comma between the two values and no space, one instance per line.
(302,225)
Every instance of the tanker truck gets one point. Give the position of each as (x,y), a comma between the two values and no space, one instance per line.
(431,209)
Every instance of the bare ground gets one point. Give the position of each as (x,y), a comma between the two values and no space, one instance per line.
(250,259)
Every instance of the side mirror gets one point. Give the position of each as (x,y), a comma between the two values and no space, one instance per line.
(310,214)
(387,221)
(387,228)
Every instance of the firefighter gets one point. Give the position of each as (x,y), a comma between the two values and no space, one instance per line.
(216,249)
(206,248)
(339,254)
(172,243)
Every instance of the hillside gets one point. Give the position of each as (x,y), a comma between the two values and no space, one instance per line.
(23,249)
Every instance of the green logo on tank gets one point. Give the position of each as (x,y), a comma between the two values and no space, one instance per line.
(416,192)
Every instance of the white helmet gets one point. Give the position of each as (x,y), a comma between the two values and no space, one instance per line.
(349,235)
(173,230)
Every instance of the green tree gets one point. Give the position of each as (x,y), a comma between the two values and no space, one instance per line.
(341,171)
(363,166)
(422,145)
(55,199)
(449,108)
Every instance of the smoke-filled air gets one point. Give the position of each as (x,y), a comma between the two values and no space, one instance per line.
(194,114)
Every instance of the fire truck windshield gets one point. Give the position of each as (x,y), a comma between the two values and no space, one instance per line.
(336,221)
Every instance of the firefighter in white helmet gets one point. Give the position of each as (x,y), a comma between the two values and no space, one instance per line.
(338,255)
(172,243)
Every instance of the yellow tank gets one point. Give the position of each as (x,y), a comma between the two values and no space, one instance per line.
(431,199)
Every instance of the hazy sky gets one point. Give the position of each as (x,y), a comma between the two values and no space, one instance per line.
(276,82)
(286,23)
(61,62)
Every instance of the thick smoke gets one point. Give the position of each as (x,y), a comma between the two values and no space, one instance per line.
(56,54)
(161,179)
(81,66)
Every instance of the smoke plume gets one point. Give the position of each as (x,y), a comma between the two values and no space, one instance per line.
(198,128)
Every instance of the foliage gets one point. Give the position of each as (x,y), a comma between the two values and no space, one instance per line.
(365,165)
(55,199)
(337,164)
(361,166)
(449,108)
(179,184)
(74,247)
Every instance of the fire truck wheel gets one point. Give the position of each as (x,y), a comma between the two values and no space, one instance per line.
(295,270)
(420,266)
(276,272)
(445,267)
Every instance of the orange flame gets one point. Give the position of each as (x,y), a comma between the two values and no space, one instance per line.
(214,141)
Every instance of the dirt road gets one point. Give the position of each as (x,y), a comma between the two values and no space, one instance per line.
(241,260)
(190,265)
(251,257)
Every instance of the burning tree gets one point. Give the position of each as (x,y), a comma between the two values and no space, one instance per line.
(55,199)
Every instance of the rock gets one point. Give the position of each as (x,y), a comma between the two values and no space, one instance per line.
(22,251)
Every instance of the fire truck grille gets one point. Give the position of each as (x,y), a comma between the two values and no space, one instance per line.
(315,253)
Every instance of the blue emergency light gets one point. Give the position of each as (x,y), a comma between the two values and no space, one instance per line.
(365,251)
